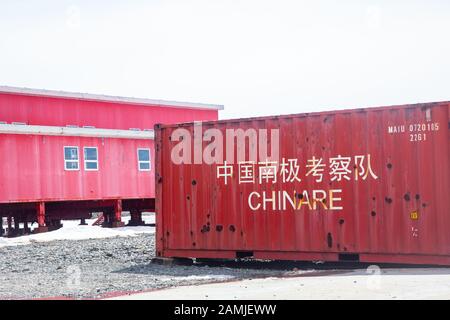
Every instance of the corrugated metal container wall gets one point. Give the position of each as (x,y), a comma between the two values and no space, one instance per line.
(368,185)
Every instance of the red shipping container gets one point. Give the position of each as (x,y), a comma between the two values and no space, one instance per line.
(369,185)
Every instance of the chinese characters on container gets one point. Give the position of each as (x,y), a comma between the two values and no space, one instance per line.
(289,174)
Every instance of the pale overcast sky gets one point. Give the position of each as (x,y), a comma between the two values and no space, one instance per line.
(256,57)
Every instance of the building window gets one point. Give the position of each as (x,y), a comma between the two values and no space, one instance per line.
(90,159)
(144,159)
(71,158)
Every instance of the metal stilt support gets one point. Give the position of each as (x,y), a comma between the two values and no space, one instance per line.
(26,228)
(136,218)
(9,230)
(40,210)
(16,226)
(117,215)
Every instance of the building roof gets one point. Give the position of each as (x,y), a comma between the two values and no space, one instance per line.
(106,98)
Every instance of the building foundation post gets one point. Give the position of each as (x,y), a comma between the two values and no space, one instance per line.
(40,211)
(16,226)
(26,228)
(9,230)
(136,218)
(117,215)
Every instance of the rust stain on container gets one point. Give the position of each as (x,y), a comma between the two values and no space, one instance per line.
(363,175)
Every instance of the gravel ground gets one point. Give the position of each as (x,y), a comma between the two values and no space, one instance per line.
(93,268)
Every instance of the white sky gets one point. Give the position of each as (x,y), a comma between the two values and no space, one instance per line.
(256,57)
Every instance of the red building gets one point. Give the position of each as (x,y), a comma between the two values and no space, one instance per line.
(66,155)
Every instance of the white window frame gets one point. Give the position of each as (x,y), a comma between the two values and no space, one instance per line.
(149,159)
(90,161)
(66,161)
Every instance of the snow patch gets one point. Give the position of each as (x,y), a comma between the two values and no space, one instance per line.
(71,230)
(198,278)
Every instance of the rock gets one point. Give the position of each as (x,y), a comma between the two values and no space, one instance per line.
(105,265)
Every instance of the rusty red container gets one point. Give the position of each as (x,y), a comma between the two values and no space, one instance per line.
(381,196)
